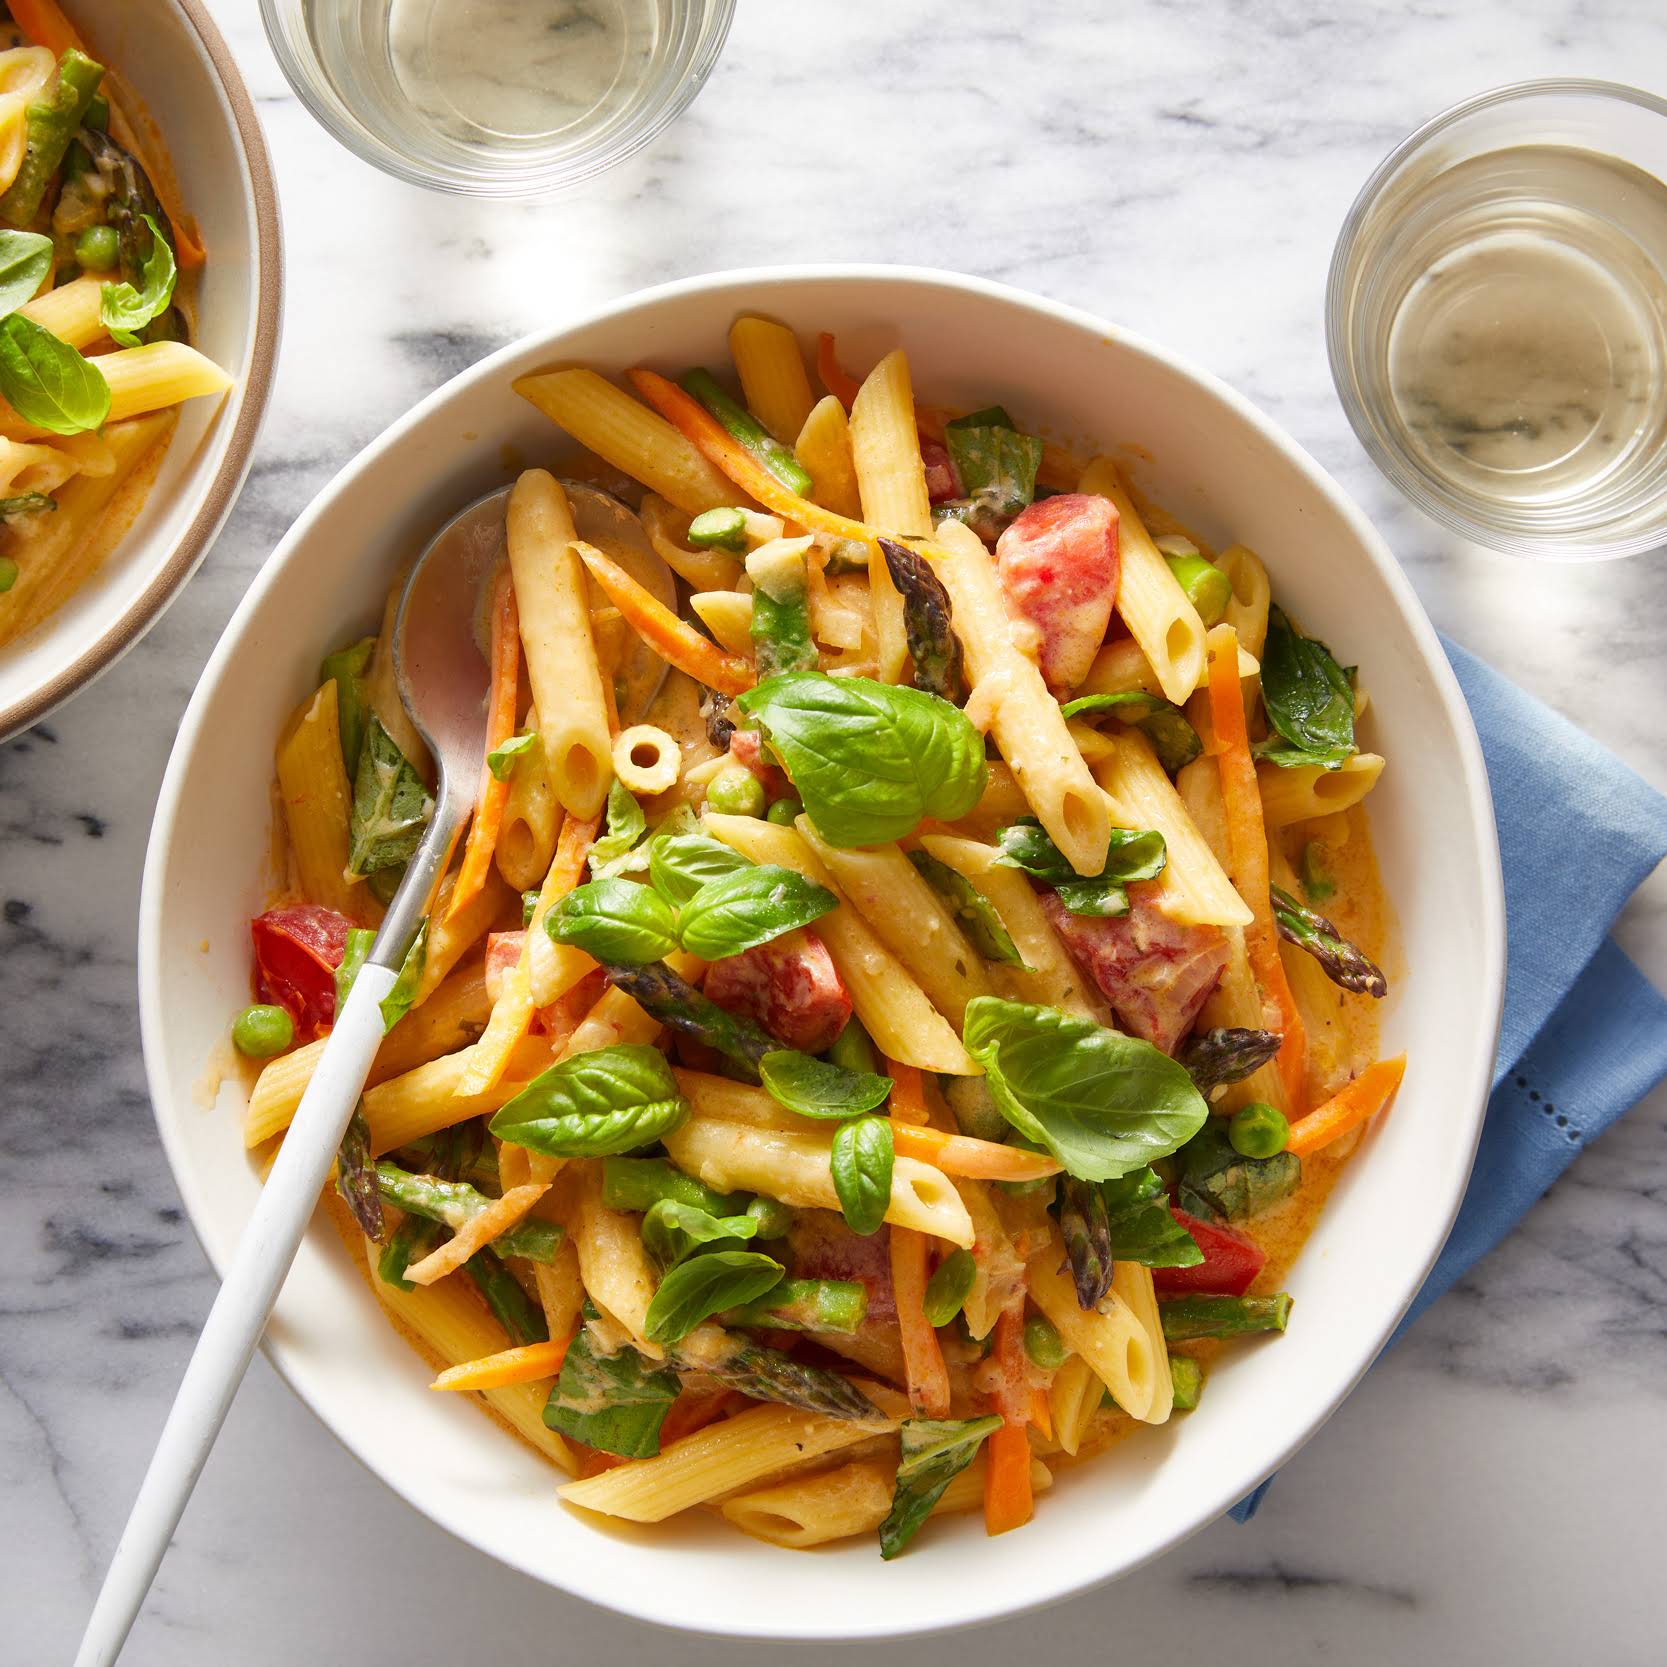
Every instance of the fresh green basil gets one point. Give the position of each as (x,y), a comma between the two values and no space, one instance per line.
(1164,724)
(1102,1103)
(974,912)
(672,1232)
(1309,699)
(613,1100)
(1219,1184)
(862,1161)
(391,807)
(616,921)
(996,466)
(501,761)
(749,907)
(933,1453)
(950,1285)
(25,261)
(626,825)
(680,864)
(403,996)
(615,1403)
(819,1088)
(705,1285)
(47,382)
(354,951)
(124,310)
(1140,1225)
(869,760)
(1134,854)
(347,669)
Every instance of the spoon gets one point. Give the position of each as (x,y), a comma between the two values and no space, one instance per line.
(442,680)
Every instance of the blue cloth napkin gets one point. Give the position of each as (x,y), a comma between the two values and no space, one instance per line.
(1584,1035)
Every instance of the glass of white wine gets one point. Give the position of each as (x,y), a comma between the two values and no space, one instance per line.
(1497,319)
(502,98)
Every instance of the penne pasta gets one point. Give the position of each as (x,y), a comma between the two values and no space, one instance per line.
(772,372)
(824,448)
(1308,791)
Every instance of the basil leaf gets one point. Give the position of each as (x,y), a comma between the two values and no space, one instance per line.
(1308,697)
(933,1453)
(746,908)
(346,668)
(615,1403)
(402,997)
(1164,724)
(974,912)
(1102,1103)
(996,464)
(949,1287)
(626,825)
(124,310)
(680,864)
(862,1160)
(354,951)
(612,1100)
(672,1232)
(705,1285)
(1093,897)
(614,920)
(1219,1184)
(869,760)
(1141,1226)
(501,761)
(26,503)
(992,416)
(47,382)
(818,1088)
(1132,855)
(391,807)
(25,260)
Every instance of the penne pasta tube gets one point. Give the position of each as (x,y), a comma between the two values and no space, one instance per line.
(824,448)
(1121,667)
(1307,791)
(425,1100)
(71,311)
(142,379)
(772,372)
(1110,1338)
(612,1262)
(317,800)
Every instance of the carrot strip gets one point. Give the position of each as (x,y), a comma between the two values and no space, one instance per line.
(1008,1501)
(669,637)
(835,378)
(1041,1412)
(498,1217)
(498,1371)
(694,1410)
(959,1154)
(500,726)
(908,1096)
(928,1377)
(46,26)
(1247,848)
(1350,1106)
(702,430)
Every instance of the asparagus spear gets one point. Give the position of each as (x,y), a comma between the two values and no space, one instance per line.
(346,668)
(1187,1378)
(714,712)
(1206,587)
(456,1203)
(1214,1058)
(805,1305)
(49,127)
(780,610)
(640,1183)
(409,1242)
(1187,1318)
(355,1179)
(769,1375)
(719,529)
(676,1002)
(926,621)
(742,425)
(1086,1229)
(515,1311)
(1339,959)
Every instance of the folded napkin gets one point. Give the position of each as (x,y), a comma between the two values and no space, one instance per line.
(1584,1035)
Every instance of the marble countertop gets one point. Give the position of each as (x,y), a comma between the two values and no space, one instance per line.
(1493,1491)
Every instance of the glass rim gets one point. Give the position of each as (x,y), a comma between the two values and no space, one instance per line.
(531,181)
(1391,460)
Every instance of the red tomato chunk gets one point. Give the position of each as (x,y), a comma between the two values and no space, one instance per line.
(297,951)
(1059,566)
(1231,1261)
(789,986)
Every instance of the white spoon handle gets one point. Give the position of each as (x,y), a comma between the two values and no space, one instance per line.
(240,1312)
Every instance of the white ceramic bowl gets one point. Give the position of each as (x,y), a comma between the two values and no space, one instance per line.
(1209,457)
(171,54)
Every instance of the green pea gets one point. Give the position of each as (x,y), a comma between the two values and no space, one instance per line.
(784,812)
(947,1289)
(774,1218)
(262,1031)
(736,791)
(8,574)
(96,249)
(1258,1130)
(1043,1345)
(1207,588)
(719,529)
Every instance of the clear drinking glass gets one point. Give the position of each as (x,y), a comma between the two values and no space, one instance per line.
(1496,318)
(499,98)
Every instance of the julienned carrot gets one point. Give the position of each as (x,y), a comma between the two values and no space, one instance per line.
(908,1097)
(694,1410)
(1041,1412)
(500,726)
(669,637)
(1247,847)
(922,1358)
(978,1160)
(835,378)
(702,430)
(498,1371)
(1350,1106)
(573,843)
(46,26)
(1008,1500)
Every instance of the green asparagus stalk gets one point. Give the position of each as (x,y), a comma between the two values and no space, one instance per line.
(742,425)
(49,125)
(926,621)
(356,1181)
(640,1183)
(1314,871)
(479,1166)
(1187,1378)
(719,529)
(769,1375)
(1214,1058)
(774,1218)
(1187,1318)
(1086,1228)
(780,611)
(674,1001)
(1339,959)
(1207,588)
(409,1242)
(804,1305)
(853,1049)
(456,1204)
(514,1310)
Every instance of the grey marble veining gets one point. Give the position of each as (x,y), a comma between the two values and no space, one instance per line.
(1493,1491)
